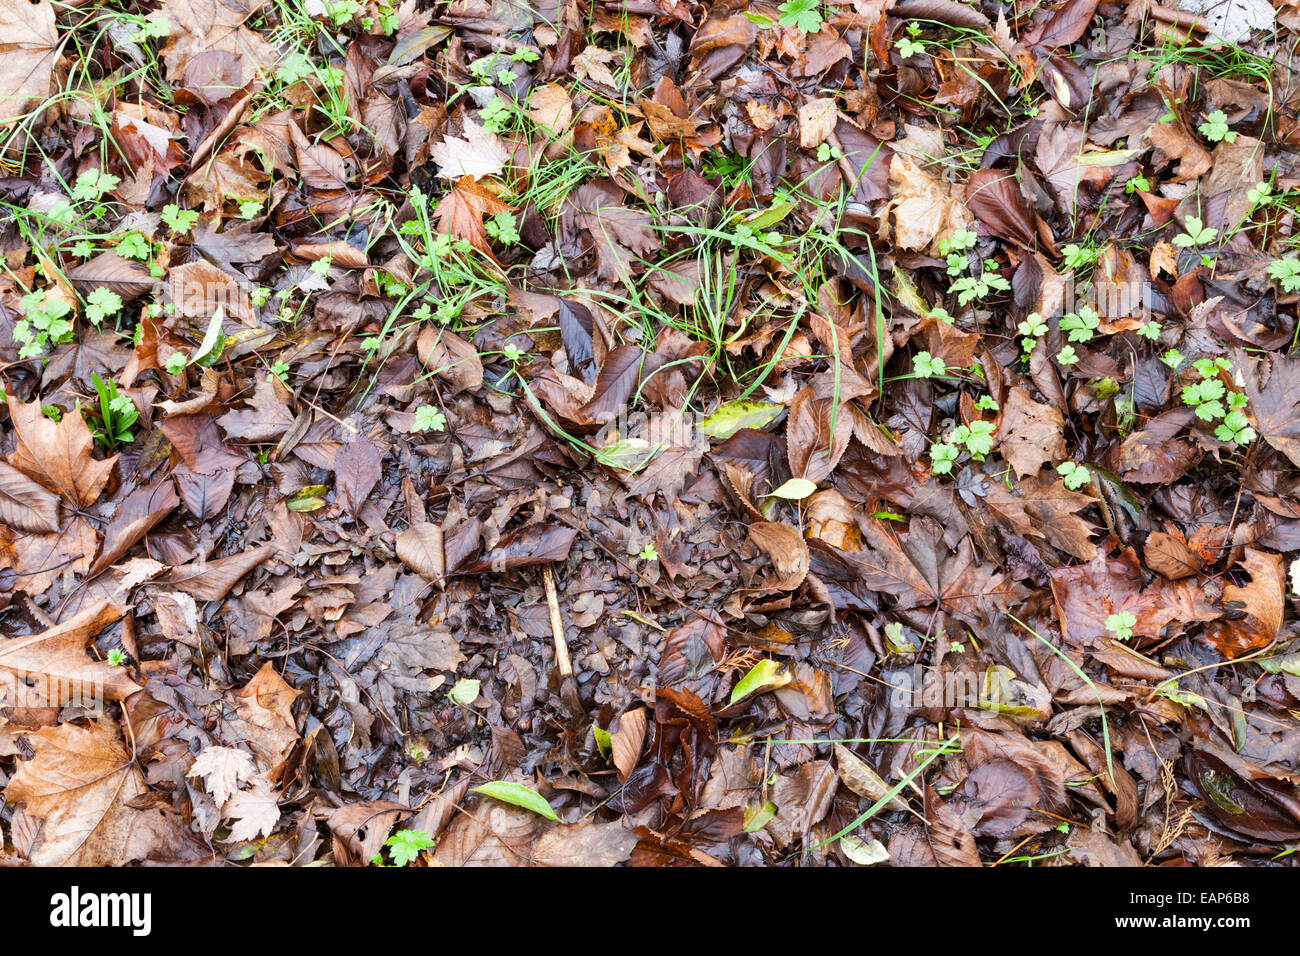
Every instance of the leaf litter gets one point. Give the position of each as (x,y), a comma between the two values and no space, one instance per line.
(654,433)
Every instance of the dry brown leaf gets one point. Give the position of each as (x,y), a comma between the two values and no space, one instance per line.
(25,505)
(58,655)
(921,209)
(212,580)
(1029,434)
(817,119)
(460,213)
(1169,554)
(816,436)
(785,548)
(57,455)
(264,419)
(420,548)
(861,779)
(80,783)
(479,154)
(585,844)
(1264,600)
(628,740)
(264,720)
(28,50)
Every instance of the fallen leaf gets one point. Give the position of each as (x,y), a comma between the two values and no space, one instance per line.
(57,455)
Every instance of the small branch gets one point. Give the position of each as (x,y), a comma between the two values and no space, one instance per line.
(557,624)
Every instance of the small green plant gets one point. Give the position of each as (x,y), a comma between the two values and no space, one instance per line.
(826,152)
(1074,476)
(1205,395)
(1215,128)
(1078,258)
(1286,273)
(1121,625)
(501,227)
(92,184)
(924,365)
(1151,331)
(804,15)
(1067,356)
(1138,183)
(404,847)
(342,11)
(116,657)
(1235,427)
(1212,401)
(44,324)
(101,303)
(1197,234)
(179,220)
(133,245)
(117,415)
(971,288)
(648,553)
(955,249)
(1031,329)
(942,458)
(1081,325)
(976,438)
(429,419)
(968,288)
(496,114)
(909,46)
(1173,358)
(176,363)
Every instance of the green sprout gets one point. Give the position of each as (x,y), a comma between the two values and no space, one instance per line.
(1215,128)
(925,365)
(428,418)
(1121,625)
(1197,234)
(404,847)
(1075,476)
(803,15)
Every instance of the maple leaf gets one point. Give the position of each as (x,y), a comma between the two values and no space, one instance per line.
(263,719)
(1087,595)
(919,571)
(460,213)
(57,455)
(223,770)
(80,782)
(255,812)
(479,154)
(1043,509)
(58,654)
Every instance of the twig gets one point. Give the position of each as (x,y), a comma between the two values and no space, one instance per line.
(557,624)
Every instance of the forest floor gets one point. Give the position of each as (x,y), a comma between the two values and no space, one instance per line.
(649,432)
